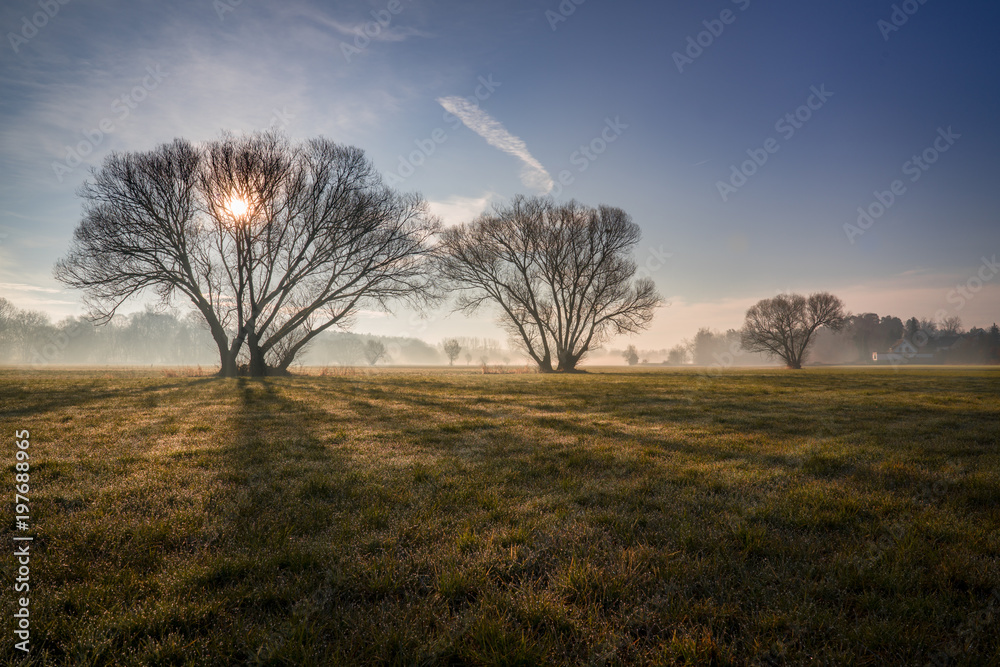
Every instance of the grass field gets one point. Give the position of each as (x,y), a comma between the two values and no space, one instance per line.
(825,516)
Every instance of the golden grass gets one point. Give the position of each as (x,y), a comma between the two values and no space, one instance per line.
(448,517)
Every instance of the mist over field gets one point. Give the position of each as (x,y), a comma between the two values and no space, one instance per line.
(151,338)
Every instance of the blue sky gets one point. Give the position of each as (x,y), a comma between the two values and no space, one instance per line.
(661,130)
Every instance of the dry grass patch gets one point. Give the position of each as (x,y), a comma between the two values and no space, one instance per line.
(438,517)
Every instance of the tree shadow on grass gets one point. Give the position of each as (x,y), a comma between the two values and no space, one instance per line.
(79,394)
(542,451)
(292,512)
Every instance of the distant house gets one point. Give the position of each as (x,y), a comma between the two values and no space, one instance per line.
(901,352)
(936,350)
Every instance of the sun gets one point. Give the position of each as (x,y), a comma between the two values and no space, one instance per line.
(237,206)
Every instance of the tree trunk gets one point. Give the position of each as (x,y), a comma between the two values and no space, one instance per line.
(568,362)
(282,367)
(227,360)
(228,369)
(257,367)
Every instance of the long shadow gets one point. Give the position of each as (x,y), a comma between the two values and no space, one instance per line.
(826,421)
(513,450)
(261,561)
(275,441)
(81,393)
(511,446)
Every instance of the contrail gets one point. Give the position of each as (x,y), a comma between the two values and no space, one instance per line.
(533,174)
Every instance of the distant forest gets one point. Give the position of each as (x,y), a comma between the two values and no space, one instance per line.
(863,335)
(166,338)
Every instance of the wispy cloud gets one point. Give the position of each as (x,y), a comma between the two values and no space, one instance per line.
(387,34)
(533,175)
(385,31)
(455,210)
(12,214)
(28,288)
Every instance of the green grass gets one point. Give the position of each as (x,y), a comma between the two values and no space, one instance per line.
(430,517)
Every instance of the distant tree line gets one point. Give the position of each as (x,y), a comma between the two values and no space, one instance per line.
(171,339)
(343,348)
(469,350)
(706,348)
(947,340)
(148,337)
(855,342)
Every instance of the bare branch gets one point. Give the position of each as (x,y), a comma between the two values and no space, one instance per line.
(272,243)
(560,277)
(783,327)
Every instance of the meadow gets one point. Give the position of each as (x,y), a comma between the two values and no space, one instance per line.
(750,517)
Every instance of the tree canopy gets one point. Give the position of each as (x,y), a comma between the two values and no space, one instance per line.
(561,278)
(783,326)
(271,242)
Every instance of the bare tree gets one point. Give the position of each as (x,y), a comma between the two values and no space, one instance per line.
(678,355)
(24,332)
(783,327)
(348,351)
(374,351)
(272,243)
(951,325)
(7,311)
(452,349)
(631,355)
(560,277)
